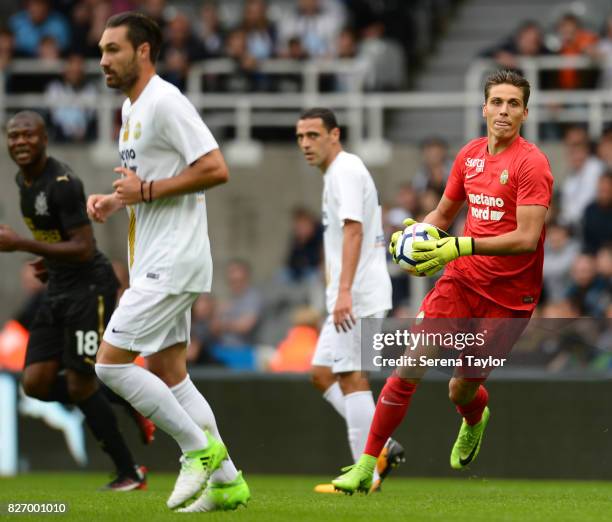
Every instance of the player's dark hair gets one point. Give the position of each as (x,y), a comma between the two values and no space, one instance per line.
(505,76)
(34,116)
(327,117)
(140,29)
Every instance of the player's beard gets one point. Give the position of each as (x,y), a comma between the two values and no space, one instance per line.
(129,77)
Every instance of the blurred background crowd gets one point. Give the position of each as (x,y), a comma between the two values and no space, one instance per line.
(273,325)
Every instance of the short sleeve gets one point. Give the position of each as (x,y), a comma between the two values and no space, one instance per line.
(454,186)
(68,200)
(535,181)
(182,127)
(349,191)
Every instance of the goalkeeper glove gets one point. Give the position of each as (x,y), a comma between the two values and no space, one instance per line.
(431,230)
(434,254)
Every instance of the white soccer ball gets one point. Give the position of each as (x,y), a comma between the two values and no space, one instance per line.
(403,247)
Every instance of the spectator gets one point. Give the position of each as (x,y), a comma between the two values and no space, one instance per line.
(435,166)
(178,36)
(573,40)
(6,56)
(560,250)
(346,49)
(579,188)
(243,79)
(239,315)
(603,261)
(385,59)
(292,82)
(604,148)
(260,31)
(203,337)
(295,351)
(179,50)
(156,9)
(398,18)
(119,6)
(48,50)
(72,100)
(36,21)
(306,244)
(346,44)
(406,203)
(7,44)
(209,30)
(588,292)
(526,42)
(428,201)
(603,51)
(316,24)
(88,22)
(597,221)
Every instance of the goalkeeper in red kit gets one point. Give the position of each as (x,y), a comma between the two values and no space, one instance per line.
(492,273)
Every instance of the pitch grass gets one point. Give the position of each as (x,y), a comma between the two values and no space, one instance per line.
(290,498)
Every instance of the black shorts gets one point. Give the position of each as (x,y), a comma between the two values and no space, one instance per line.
(69,328)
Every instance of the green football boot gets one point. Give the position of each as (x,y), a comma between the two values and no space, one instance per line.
(219,496)
(196,468)
(357,477)
(467,445)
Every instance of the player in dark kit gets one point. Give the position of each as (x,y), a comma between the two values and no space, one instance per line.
(81,292)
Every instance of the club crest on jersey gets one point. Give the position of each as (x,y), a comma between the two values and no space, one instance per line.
(503,179)
(126,130)
(137,130)
(40,205)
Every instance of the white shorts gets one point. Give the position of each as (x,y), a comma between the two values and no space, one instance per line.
(148,322)
(341,351)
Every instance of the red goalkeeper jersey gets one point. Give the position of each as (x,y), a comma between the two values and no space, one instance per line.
(494,186)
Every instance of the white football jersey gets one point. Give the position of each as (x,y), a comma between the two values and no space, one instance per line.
(349,193)
(168,245)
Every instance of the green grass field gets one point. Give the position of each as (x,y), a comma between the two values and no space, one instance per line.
(290,498)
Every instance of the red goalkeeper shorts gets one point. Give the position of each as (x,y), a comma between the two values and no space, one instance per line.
(455,308)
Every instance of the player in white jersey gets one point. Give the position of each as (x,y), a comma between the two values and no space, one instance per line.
(169,158)
(358,284)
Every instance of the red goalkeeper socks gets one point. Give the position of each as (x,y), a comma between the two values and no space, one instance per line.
(391,408)
(472,411)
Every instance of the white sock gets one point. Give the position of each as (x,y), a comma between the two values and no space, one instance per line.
(197,407)
(334,396)
(149,395)
(359,413)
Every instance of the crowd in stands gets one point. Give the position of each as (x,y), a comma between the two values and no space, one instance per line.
(569,36)
(380,35)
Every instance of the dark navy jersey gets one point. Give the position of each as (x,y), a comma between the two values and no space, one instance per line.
(52,205)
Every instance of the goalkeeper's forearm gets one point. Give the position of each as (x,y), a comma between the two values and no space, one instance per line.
(512,243)
(439,220)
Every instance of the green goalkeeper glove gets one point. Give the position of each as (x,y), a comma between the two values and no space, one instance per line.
(396,236)
(435,254)
(431,230)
